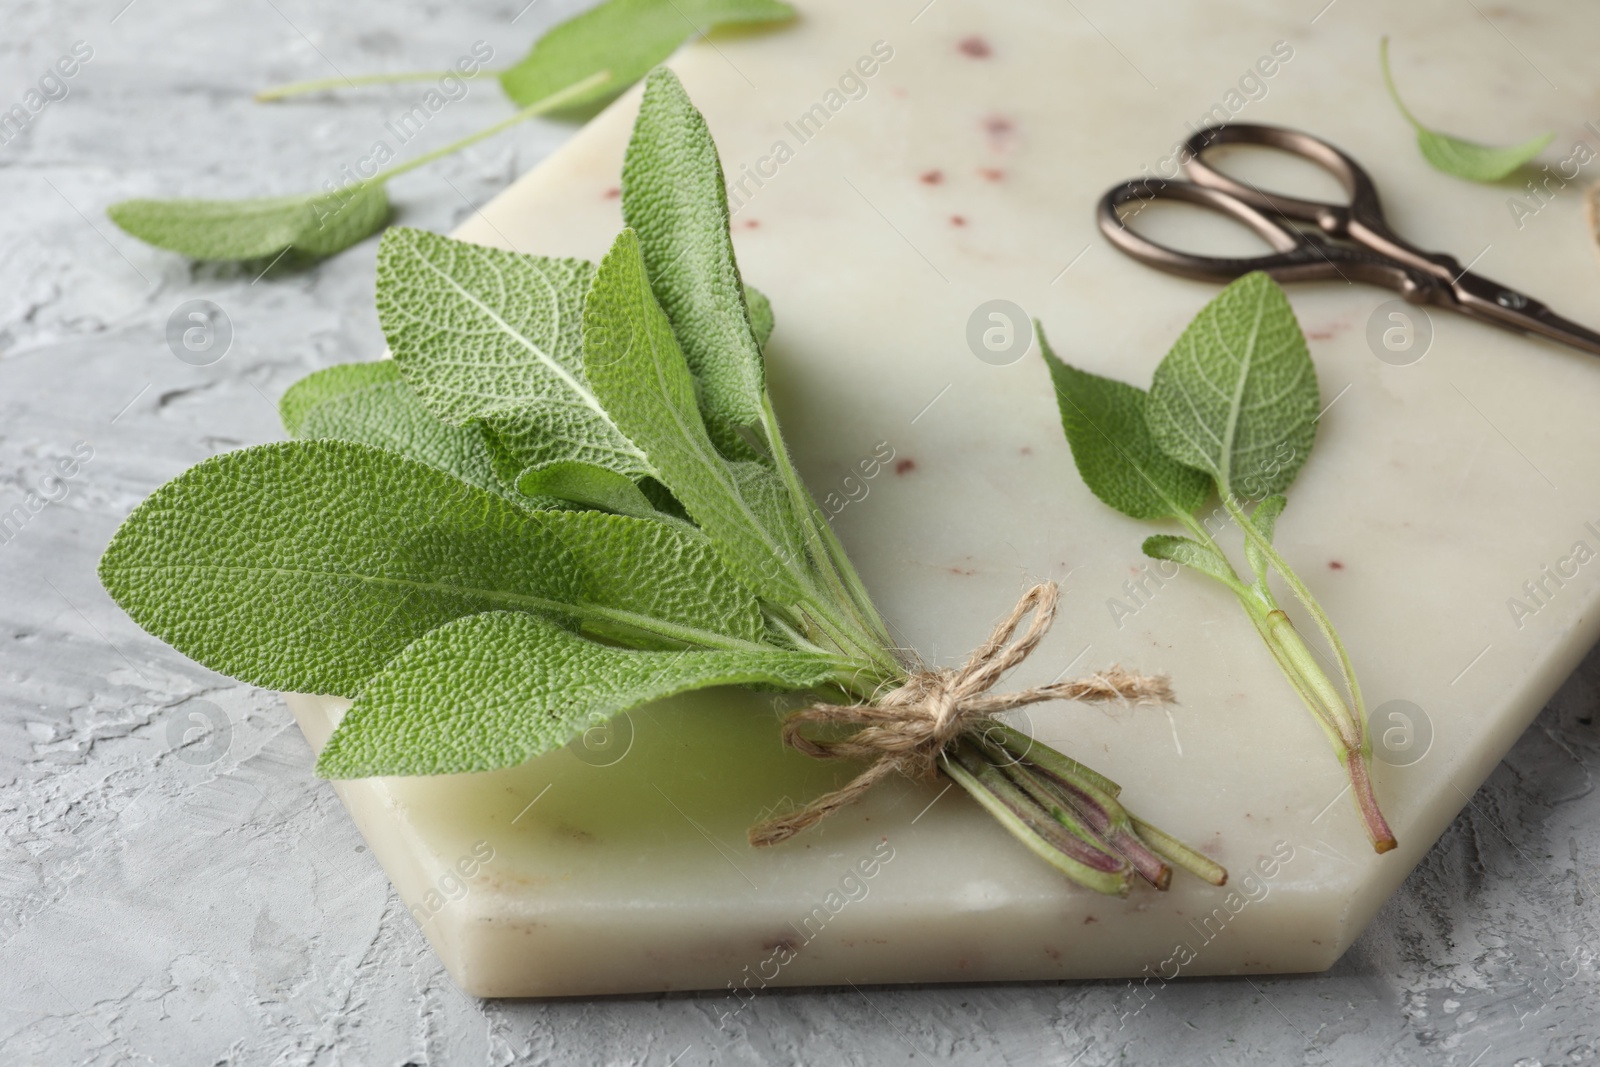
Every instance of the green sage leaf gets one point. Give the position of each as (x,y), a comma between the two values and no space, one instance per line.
(588,485)
(1190,553)
(761,317)
(1116,456)
(626,37)
(637,369)
(306,565)
(495,690)
(316,225)
(656,584)
(674,198)
(1457,157)
(370,404)
(1265,520)
(1237,396)
(486,334)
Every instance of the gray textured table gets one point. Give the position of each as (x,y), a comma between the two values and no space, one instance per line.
(213,904)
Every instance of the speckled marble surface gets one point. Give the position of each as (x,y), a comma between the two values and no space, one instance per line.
(214,904)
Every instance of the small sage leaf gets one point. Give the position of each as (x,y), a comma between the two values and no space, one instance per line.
(761,318)
(588,485)
(1237,396)
(370,404)
(1457,157)
(625,37)
(1265,520)
(316,225)
(1190,554)
(1118,459)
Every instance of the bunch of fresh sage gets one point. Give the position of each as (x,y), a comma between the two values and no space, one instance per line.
(565,495)
(1233,408)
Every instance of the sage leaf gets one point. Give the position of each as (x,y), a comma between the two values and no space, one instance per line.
(1264,519)
(485,334)
(316,225)
(638,371)
(1457,157)
(588,485)
(496,689)
(370,404)
(1237,395)
(761,318)
(1117,458)
(626,37)
(674,198)
(1191,554)
(307,565)
(655,584)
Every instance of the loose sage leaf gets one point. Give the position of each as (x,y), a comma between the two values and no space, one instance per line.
(496,336)
(586,484)
(306,565)
(495,690)
(761,318)
(625,37)
(1237,396)
(638,371)
(370,404)
(316,225)
(674,198)
(1265,520)
(1457,157)
(1116,456)
(1190,553)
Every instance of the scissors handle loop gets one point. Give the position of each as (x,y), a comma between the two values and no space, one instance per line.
(1296,256)
(1335,220)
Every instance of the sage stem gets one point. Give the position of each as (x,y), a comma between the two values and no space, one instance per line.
(317,85)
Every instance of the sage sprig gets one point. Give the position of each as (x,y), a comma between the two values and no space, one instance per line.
(567,494)
(626,36)
(315,224)
(1233,409)
(1457,156)
(576,65)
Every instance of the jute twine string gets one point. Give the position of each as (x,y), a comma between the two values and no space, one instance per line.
(905,731)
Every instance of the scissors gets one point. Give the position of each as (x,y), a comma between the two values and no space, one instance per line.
(1350,241)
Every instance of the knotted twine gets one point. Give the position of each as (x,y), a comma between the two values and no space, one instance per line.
(907,730)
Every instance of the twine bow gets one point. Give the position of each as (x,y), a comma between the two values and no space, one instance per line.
(908,728)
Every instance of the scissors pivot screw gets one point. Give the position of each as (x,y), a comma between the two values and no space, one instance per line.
(1514,301)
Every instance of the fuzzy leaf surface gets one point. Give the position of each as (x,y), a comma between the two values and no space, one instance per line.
(1117,458)
(1237,396)
(625,37)
(633,359)
(495,690)
(1190,553)
(674,198)
(486,334)
(307,565)
(589,486)
(370,404)
(316,225)
(1265,520)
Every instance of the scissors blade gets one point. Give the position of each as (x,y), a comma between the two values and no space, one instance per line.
(1482,298)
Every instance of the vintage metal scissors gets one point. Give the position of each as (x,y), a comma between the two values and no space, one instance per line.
(1333,241)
